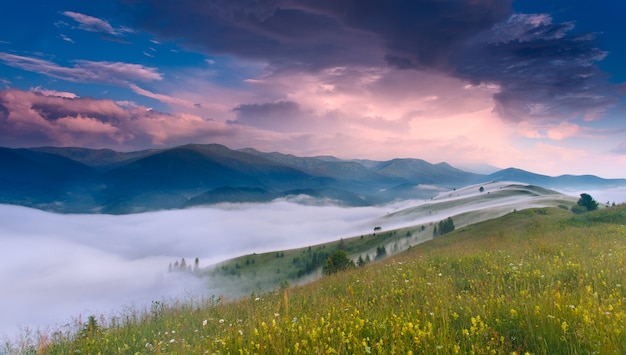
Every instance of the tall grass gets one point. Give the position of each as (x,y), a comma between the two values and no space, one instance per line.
(535,281)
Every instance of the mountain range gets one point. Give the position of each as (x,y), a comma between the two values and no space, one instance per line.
(80,180)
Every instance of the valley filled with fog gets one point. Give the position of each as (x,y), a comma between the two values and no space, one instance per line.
(61,266)
(58,267)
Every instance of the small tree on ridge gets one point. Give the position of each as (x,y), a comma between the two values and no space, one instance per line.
(588,202)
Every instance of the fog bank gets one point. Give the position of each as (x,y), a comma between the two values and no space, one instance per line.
(57,267)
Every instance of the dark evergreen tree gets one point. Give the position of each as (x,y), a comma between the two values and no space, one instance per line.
(588,202)
(360,261)
(445,226)
(381,252)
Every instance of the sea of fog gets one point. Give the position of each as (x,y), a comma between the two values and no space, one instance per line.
(602,196)
(57,267)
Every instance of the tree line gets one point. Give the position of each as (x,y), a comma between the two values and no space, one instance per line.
(182,266)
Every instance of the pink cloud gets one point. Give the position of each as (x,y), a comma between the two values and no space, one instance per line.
(564,130)
(85,125)
(556,132)
(46,92)
(30,119)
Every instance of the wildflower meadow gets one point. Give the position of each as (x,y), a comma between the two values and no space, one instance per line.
(538,281)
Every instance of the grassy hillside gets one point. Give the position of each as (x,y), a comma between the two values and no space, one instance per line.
(538,281)
(266,271)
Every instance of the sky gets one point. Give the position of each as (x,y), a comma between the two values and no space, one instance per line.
(537,85)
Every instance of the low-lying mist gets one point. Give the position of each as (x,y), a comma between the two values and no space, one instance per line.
(57,267)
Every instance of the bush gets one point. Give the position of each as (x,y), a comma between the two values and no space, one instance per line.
(337,261)
(578,209)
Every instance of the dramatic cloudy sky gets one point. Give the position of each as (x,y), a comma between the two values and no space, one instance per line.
(533,84)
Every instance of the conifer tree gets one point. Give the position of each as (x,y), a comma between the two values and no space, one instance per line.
(588,202)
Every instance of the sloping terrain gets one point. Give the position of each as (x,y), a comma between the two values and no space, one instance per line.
(540,281)
(405,226)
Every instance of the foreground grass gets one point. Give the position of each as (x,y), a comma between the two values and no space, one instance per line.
(536,281)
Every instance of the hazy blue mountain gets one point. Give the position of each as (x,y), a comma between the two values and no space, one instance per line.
(324,166)
(98,158)
(231,194)
(562,181)
(513,174)
(170,177)
(419,171)
(80,180)
(479,168)
(42,180)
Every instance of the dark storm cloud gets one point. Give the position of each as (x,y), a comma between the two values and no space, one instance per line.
(542,69)
(416,34)
(272,31)
(317,34)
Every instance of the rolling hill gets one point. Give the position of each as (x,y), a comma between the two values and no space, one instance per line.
(401,228)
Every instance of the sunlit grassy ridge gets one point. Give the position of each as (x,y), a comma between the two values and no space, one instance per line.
(538,281)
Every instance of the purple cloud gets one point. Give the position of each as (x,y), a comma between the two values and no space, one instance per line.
(543,70)
(29,118)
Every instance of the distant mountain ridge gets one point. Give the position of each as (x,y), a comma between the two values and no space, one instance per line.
(80,180)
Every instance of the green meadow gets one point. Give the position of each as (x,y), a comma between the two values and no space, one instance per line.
(266,271)
(536,281)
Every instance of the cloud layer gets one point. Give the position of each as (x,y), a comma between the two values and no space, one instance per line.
(542,69)
(34,119)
